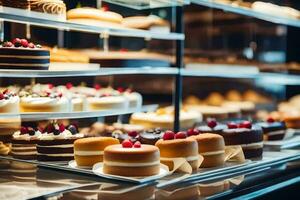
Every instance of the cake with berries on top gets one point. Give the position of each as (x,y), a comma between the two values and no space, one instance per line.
(248,136)
(21,54)
(151,136)
(43,102)
(273,130)
(131,159)
(178,146)
(212,126)
(24,143)
(9,102)
(57,142)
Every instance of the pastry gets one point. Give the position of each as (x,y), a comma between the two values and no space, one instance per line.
(178,146)
(209,111)
(151,136)
(164,118)
(9,102)
(89,151)
(67,56)
(20,54)
(56,143)
(128,159)
(273,130)
(215,99)
(233,95)
(24,143)
(212,148)
(192,100)
(292,120)
(107,102)
(247,107)
(56,7)
(248,136)
(43,102)
(212,126)
(253,96)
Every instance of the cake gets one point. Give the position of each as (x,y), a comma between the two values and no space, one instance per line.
(151,136)
(107,102)
(128,159)
(43,102)
(164,118)
(292,120)
(212,126)
(234,95)
(135,99)
(273,130)
(247,107)
(22,55)
(209,111)
(212,148)
(9,102)
(178,146)
(7,127)
(89,151)
(214,99)
(24,143)
(57,143)
(56,7)
(248,136)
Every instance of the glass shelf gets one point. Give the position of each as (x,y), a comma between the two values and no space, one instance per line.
(249,12)
(27,17)
(100,72)
(78,115)
(148,4)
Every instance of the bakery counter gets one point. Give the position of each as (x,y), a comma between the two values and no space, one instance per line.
(30,181)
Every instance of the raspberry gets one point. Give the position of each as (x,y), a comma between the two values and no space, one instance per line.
(69,85)
(270,120)
(120,89)
(62,128)
(245,124)
(232,125)
(169,135)
(133,133)
(193,131)
(97,86)
(17,42)
(137,145)
(8,44)
(31,45)
(180,135)
(211,123)
(23,130)
(1,96)
(24,43)
(127,144)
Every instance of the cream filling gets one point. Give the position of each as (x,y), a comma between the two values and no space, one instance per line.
(88,153)
(23,170)
(189,158)
(279,132)
(212,153)
(24,153)
(29,57)
(23,148)
(57,146)
(126,164)
(56,155)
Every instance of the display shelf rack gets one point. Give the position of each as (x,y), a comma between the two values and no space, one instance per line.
(76,115)
(148,4)
(266,16)
(28,17)
(100,72)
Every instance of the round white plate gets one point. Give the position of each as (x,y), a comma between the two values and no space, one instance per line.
(98,170)
(73,164)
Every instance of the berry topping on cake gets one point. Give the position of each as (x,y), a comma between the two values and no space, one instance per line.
(1,96)
(69,85)
(24,43)
(97,86)
(133,133)
(23,130)
(245,124)
(211,123)
(180,135)
(50,128)
(232,125)
(31,131)
(17,42)
(270,120)
(193,131)
(31,45)
(137,144)
(127,144)
(41,129)
(62,128)
(72,129)
(169,135)
(120,89)
(8,44)
(50,86)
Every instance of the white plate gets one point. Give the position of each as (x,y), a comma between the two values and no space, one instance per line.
(74,165)
(98,170)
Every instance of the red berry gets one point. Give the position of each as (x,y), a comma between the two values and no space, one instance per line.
(40,129)
(97,86)
(123,50)
(192,131)
(23,130)
(120,89)
(232,125)
(48,94)
(133,133)
(180,135)
(17,42)
(105,8)
(31,45)
(1,96)
(69,85)
(8,44)
(50,128)
(5,91)
(50,86)
(245,124)
(127,144)
(211,123)
(270,120)
(24,43)
(137,144)
(60,94)
(62,128)
(169,135)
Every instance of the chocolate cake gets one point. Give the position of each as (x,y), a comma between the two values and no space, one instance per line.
(19,54)
(249,136)
(273,130)
(56,144)
(151,136)
(212,126)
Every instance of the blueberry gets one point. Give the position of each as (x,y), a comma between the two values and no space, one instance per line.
(31,131)
(56,132)
(72,129)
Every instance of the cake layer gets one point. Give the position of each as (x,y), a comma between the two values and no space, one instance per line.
(23,4)
(242,136)
(56,142)
(131,171)
(55,157)
(57,149)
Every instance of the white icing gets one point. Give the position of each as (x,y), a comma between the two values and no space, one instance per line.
(135,99)
(66,134)
(211,153)
(279,132)
(11,100)
(88,153)
(126,164)
(18,136)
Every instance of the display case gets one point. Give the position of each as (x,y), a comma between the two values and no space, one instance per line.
(212,76)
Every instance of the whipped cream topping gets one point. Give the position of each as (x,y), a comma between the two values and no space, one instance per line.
(107,99)
(88,153)
(126,164)
(279,132)
(10,100)
(66,134)
(18,136)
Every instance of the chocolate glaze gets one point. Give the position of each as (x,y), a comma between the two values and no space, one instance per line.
(151,136)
